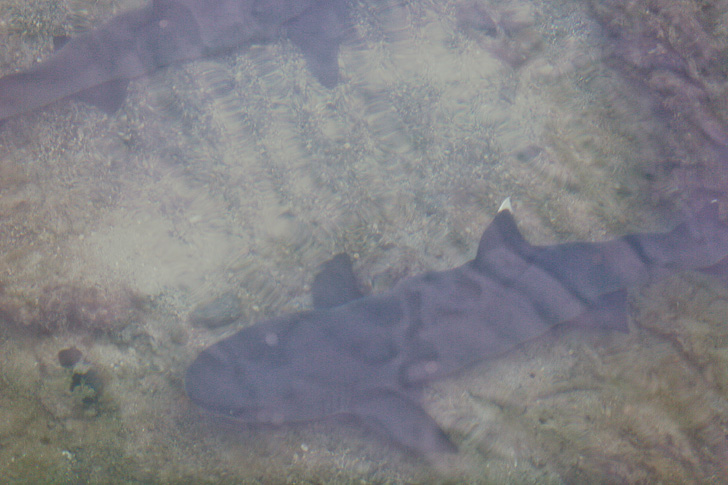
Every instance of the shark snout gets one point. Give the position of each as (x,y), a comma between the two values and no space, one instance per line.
(212,383)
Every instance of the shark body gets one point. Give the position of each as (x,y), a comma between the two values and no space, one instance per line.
(369,356)
(96,66)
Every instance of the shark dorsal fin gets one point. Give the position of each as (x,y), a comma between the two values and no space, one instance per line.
(335,284)
(502,233)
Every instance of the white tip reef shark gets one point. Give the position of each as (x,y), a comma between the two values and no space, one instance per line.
(97,65)
(370,356)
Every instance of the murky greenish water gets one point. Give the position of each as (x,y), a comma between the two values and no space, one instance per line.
(241,174)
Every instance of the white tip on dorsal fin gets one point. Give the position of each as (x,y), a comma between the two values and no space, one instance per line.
(502,233)
(506,205)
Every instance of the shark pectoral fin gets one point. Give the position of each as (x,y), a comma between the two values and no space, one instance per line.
(60,40)
(608,312)
(108,97)
(323,62)
(335,284)
(402,420)
(718,270)
(318,33)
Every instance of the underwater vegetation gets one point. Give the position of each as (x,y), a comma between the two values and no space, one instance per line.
(676,54)
(71,308)
(507,33)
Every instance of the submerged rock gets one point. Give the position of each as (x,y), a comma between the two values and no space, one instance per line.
(69,357)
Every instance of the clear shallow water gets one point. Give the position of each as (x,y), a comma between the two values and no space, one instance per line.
(243,174)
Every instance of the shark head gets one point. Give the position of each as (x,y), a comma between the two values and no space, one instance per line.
(274,372)
(244,377)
